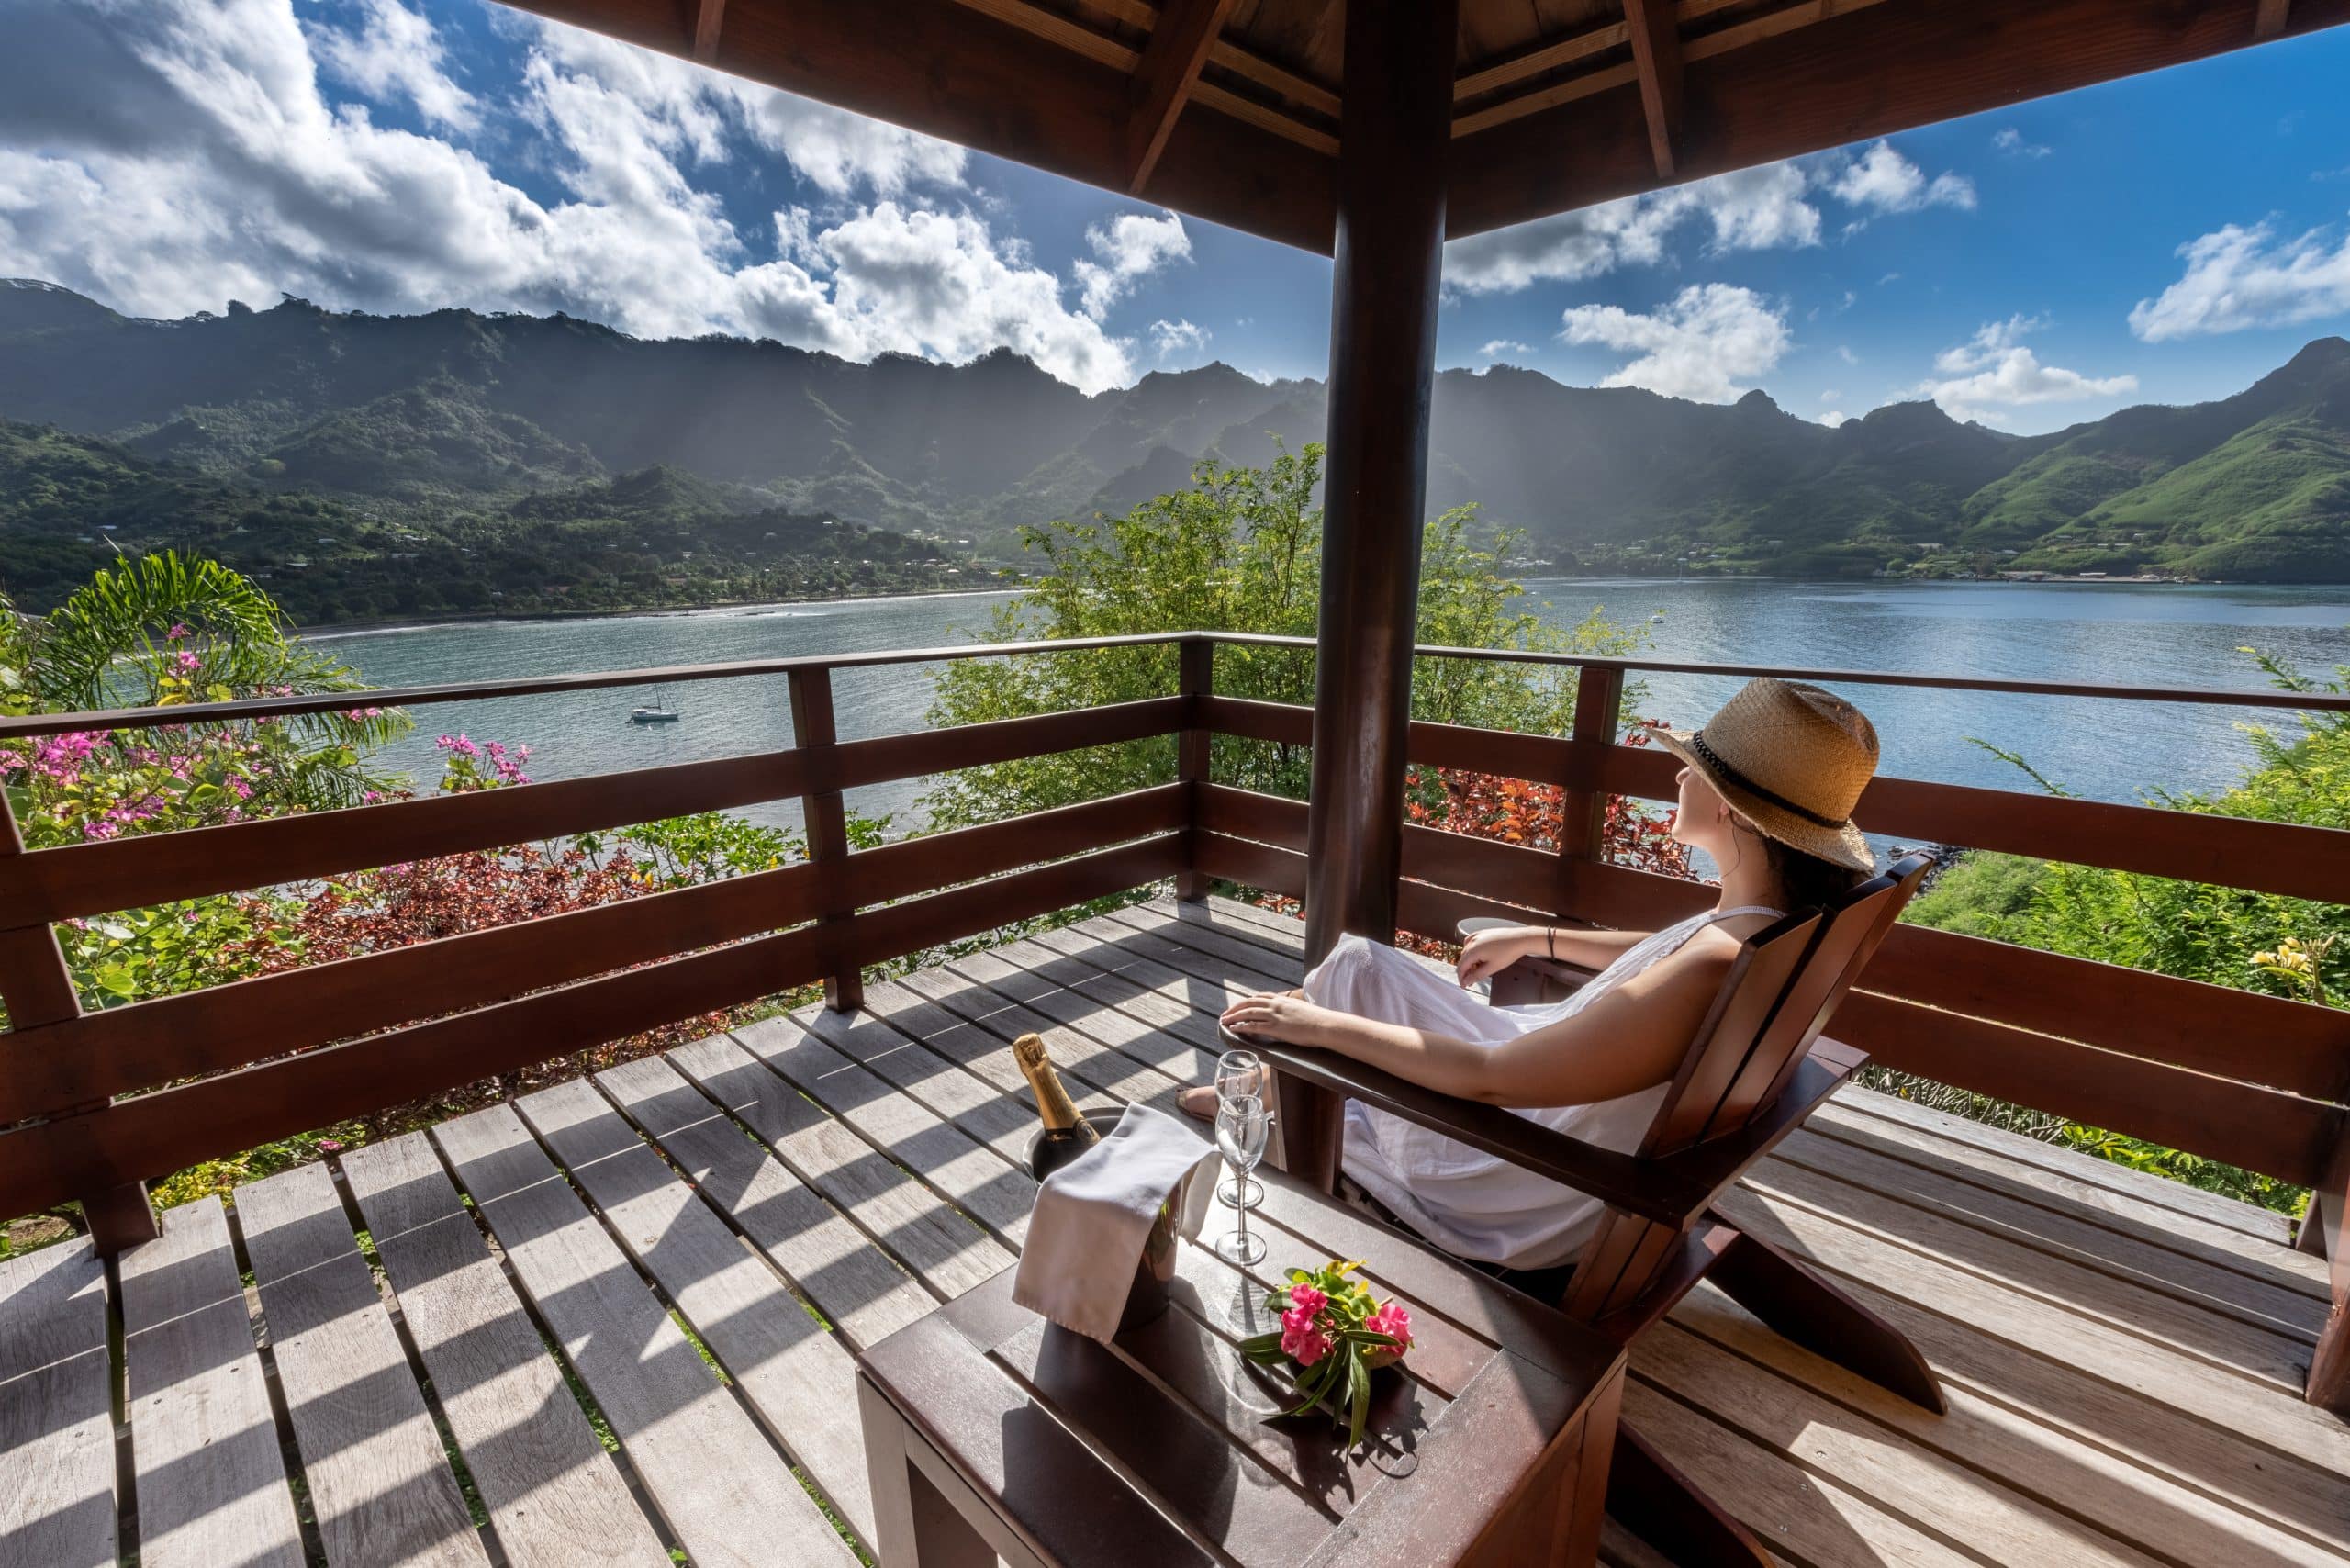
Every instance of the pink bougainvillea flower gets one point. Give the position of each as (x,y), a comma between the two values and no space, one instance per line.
(179,630)
(1304,1298)
(1395,1322)
(1302,1339)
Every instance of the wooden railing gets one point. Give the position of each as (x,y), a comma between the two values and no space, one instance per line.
(102,1101)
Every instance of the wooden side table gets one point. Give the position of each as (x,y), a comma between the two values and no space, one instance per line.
(991,1433)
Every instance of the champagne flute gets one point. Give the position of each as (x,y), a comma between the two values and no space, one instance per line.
(1240,1137)
(1238,1073)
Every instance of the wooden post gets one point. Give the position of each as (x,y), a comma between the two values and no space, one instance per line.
(2329,1379)
(1394,134)
(1196,680)
(1599,696)
(814,734)
(37,989)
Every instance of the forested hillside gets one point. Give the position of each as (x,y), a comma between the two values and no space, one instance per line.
(493,434)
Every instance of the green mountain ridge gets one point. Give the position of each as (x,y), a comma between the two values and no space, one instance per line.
(424,419)
(650,538)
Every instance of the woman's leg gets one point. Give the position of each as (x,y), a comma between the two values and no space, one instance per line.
(1371,979)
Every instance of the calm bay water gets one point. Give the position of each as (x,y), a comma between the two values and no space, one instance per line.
(2116,633)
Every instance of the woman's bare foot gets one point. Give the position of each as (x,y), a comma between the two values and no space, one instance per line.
(1198,1102)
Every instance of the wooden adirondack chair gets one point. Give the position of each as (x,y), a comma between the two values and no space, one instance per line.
(1755,1070)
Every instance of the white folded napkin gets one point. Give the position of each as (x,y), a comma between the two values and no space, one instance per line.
(1094,1215)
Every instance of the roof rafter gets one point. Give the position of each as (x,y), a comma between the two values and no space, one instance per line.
(2269,22)
(709,16)
(941,68)
(1165,76)
(1656,57)
(1860,73)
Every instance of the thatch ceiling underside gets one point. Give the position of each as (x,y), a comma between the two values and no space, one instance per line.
(1230,110)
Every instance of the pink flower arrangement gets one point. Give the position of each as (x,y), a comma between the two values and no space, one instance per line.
(1333,1335)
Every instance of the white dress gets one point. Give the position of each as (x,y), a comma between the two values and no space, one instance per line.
(1469,1202)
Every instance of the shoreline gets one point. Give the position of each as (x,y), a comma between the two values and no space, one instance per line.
(328,631)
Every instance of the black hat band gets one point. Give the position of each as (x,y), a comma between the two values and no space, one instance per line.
(1731,775)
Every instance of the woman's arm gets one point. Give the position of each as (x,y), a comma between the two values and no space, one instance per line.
(1490,952)
(1630,1039)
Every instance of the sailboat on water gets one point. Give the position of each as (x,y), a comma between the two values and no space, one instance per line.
(656,714)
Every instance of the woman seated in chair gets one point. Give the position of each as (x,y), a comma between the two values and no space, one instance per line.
(1767,792)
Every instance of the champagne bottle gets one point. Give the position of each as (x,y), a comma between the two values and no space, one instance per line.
(1067,1135)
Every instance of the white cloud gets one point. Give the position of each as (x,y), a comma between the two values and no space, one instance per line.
(396,54)
(1698,345)
(1569,247)
(2239,277)
(1990,340)
(1845,352)
(699,110)
(1130,247)
(2011,143)
(1882,180)
(1993,370)
(1501,346)
(196,159)
(938,284)
(1178,336)
(1751,209)
(1833,418)
(1830,396)
(1764,209)
(1758,209)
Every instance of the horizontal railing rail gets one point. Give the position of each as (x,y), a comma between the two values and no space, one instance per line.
(534,686)
(2231,1074)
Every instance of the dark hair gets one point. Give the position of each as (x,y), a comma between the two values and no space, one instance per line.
(1805,881)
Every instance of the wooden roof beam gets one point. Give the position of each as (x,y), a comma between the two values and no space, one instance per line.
(709,17)
(1170,68)
(1656,56)
(1849,77)
(2269,22)
(947,70)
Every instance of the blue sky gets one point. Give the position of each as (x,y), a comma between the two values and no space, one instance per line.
(2025,268)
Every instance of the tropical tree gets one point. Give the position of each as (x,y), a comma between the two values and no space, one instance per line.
(1240,551)
(163,631)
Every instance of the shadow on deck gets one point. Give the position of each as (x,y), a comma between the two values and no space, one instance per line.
(2123,1357)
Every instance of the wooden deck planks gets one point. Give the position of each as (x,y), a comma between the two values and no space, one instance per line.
(553,1493)
(798,1377)
(57,1462)
(1137,1039)
(896,1050)
(1927,1489)
(2247,1411)
(857,1284)
(1101,1077)
(2159,1191)
(210,1480)
(728,1497)
(2279,1360)
(2136,1264)
(1855,1117)
(379,1481)
(2118,1357)
(1028,976)
(1804,1517)
(2039,1431)
(942,1248)
(971,1176)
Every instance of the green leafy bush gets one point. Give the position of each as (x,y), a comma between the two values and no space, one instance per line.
(2251,941)
(1240,551)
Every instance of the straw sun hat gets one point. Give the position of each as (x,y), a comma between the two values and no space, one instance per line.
(1790,758)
